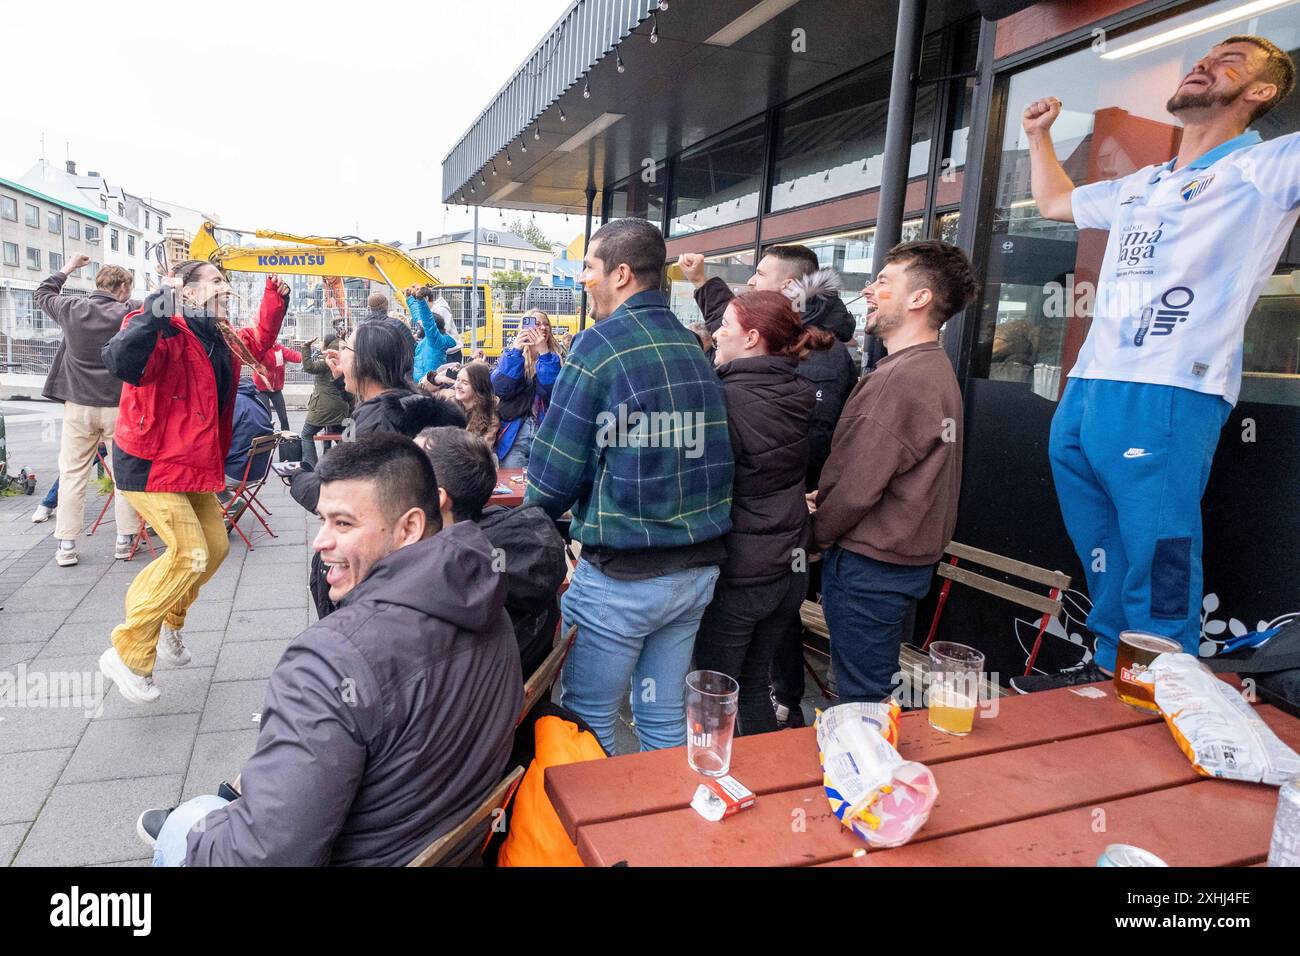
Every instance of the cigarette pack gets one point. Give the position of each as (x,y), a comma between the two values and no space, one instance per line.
(720,797)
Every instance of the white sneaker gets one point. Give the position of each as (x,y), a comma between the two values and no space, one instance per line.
(42,514)
(66,557)
(122,549)
(171,647)
(136,689)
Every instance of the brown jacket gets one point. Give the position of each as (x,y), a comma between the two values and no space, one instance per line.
(890,486)
(77,373)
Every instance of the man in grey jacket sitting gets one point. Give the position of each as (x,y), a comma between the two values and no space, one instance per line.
(387,722)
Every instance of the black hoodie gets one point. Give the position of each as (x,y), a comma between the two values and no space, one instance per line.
(384,724)
(831,372)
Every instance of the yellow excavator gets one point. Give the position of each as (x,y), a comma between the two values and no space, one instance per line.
(351,258)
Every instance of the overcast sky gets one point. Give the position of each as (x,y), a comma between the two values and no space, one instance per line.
(322,117)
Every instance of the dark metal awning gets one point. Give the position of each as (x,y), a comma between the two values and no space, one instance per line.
(570,119)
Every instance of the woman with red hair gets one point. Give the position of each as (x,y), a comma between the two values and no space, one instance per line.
(764,579)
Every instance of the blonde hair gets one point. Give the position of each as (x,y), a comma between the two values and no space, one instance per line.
(114,278)
(530,361)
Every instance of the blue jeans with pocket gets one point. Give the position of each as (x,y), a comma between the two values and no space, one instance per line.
(637,637)
(169,848)
(1131,462)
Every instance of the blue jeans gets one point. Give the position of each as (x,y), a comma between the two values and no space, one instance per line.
(51,499)
(869,604)
(1130,462)
(637,634)
(517,456)
(169,848)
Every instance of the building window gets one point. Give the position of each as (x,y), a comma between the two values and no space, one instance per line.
(74,229)
(11,254)
(94,268)
(112,239)
(56,262)
(641,196)
(54,222)
(9,208)
(1035,308)
(34,259)
(32,215)
(498,263)
(130,244)
(466,260)
(437,261)
(146,218)
(515,264)
(121,209)
(92,233)
(24,307)
(718,182)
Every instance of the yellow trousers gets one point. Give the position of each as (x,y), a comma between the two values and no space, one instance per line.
(190,526)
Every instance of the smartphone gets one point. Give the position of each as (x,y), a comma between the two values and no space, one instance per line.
(529,322)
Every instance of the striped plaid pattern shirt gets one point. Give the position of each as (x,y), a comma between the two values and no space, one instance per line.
(635,441)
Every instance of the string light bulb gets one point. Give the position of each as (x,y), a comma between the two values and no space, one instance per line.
(523,145)
(537,132)
(663,5)
(563,118)
(586,90)
(509,161)
(654,30)
(494,168)
(618,58)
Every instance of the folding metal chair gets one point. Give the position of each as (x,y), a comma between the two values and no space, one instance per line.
(250,485)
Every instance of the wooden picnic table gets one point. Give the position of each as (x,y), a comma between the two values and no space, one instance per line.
(1051,780)
(505,479)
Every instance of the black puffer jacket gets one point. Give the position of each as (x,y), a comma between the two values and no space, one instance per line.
(831,372)
(383,725)
(768,410)
(406,413)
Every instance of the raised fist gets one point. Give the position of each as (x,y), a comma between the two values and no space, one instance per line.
(692,265)
(1041,114)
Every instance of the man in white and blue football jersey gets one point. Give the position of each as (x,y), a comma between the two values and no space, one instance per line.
(1192,243)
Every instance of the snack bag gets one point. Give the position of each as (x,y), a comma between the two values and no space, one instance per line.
(1211,723)
(872,790)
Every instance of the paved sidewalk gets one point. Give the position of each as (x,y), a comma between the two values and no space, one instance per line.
(72,784)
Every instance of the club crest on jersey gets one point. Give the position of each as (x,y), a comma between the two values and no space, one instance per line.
(1196,187)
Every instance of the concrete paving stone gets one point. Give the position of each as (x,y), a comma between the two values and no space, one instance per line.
(27,627)
(11,837)
(142,861)
(222,587)
(52,597)
(25,729)
(206,615)
(217,757)
(83,571)
(26,780)
(142,746)
(268,625)
(86,823)
(248,660)
(11,654)
(266,557)
(184,691)
(231,705)
(264,592)
(79,637)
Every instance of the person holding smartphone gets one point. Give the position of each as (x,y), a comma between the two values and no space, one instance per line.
(523,380)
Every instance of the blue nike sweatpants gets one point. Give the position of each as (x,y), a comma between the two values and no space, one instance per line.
(1131,462)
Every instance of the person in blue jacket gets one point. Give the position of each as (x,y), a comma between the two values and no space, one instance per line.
(523,380)
(431,351)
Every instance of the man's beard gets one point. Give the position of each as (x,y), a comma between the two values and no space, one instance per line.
(1205,99)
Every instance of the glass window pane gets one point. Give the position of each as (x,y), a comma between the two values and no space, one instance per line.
(734,268)
(1035,310)
(717,182)
(642,196)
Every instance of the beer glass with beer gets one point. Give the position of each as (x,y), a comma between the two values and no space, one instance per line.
(1135,653)
(953,687)
(711,703)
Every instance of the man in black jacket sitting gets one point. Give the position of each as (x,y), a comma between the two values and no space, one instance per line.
(387,722)
(525,542)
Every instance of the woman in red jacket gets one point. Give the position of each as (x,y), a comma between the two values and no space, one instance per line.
(180,360)
(271,388)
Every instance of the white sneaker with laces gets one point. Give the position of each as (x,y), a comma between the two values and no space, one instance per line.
(171,647)
(122,548)
(136,689)
(42,514)
(66,556)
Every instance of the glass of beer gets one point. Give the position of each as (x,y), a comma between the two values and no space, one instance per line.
(711,702)
(1136,652)
(953,687)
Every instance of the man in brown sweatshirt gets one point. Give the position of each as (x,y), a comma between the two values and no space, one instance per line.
(886,505)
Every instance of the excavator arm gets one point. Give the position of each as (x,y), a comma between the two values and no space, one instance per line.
(315,256)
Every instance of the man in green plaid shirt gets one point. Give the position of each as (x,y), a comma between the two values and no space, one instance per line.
(635,442)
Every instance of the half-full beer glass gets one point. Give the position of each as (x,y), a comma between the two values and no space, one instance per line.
(953,687)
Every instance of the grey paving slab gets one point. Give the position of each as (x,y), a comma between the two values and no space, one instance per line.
(142,861)
(86,570)
(248,660)
(217,757)
(26,780)
(232,704)
(265,625)
(11,654)
(204,647)
(260,595)
(135,747)
(51,597)
(26,627)
(206,615)
(30,728)
(11,837)
(87,823)
(266,557)
(184,691)
(80,637)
